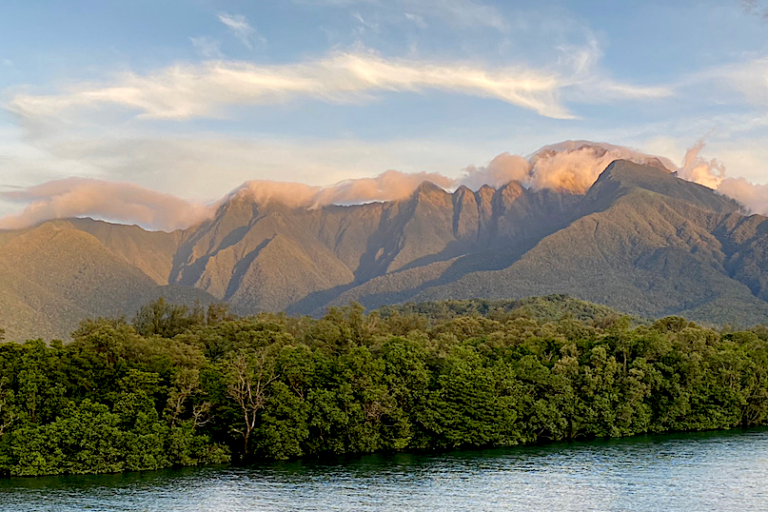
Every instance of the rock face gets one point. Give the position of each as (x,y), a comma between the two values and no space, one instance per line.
(640,240)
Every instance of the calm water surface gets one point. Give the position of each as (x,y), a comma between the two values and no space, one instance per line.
(723,471)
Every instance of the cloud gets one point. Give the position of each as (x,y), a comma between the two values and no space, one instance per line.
(465,13)
(205,91)
(587,84)
(753,196)
(709,173)
(456,13)
(388,186)
(241,29)
(120,202)
(184,92)
(570,166)
(208,166)
(415,18)
(130,203)
(502,169)
(207,47)
(748,78)
(575,165)
(712,173)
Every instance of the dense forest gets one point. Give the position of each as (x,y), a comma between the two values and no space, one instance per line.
(178,386)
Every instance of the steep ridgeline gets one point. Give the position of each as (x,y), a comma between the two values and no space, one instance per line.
(61,272)
(640,240)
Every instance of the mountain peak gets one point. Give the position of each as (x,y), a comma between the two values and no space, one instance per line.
(428,188)
(641,239)
(628,176)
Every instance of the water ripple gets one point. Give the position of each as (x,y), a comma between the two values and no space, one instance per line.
(703,472)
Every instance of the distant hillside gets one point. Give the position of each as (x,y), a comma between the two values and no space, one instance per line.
(552,308)
(55,275)
(640,240)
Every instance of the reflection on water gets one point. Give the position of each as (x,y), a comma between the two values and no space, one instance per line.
(719,471)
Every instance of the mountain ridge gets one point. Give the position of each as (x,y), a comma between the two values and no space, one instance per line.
(640,239)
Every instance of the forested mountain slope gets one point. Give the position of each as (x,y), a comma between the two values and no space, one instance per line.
(640,240)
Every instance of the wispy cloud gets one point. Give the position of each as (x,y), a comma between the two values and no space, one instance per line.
(415,18)
(207,47)
(206,90)
(749,78)
(741,85)
(241,29)
(587,84)
(457,13)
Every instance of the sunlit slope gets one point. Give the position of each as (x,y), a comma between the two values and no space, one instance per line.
(55,275)
(639,240)
(151,252)
(651,248)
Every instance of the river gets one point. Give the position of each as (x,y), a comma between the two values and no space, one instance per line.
(716,471)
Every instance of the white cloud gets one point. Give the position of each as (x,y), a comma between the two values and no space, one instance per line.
(736,83)
(206,90)
(587,84)
(241,29)
(748,78)
(207,47)
(457,13)
(415,18)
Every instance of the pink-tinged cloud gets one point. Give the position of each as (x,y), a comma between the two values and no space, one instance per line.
(754,197)
(119,202)
(571,166)
(388,186)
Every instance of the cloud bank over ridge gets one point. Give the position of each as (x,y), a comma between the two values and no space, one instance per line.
(570,166)
(120,202)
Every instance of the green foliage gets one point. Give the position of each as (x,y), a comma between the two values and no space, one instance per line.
(181,387)
(167,320)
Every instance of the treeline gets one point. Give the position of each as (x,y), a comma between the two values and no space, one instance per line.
(179,387)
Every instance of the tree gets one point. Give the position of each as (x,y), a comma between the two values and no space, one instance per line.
(217,313)
(186,384)
(473,405)
(164,319)
(6,414)
(249,375)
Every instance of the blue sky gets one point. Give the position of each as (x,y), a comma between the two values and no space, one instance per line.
(195,97)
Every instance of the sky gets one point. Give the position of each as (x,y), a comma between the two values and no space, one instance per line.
(187,100)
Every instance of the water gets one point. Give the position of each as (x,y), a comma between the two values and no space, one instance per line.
(721,471)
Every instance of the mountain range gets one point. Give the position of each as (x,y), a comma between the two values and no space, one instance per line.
(640,240)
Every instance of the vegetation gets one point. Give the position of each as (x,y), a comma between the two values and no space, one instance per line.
(640,240)
(179,386)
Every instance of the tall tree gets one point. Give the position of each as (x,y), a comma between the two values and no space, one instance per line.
(250,374)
